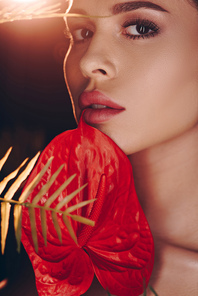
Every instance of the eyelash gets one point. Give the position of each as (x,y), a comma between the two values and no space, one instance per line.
(70,35)
(151,27)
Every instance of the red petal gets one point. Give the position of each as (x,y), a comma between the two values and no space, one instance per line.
(121,245)
(121,248)
(71,275)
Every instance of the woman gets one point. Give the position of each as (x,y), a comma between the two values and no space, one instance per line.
(136,75)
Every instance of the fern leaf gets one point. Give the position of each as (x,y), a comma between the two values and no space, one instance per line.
(23,197)
(12,190)
(17,208)
(58,191)
(17,9)
(33,8)
(3,160)
(5,207)
(7,201)
(5,215)
(33,227)
(52,9)
(44,225)
(35,181)
(15,12)
(56,225)
(11,176)
(78,206)
(17,225)
(70,228)
(26,11)
(46,186)
(69,197)
(82,220)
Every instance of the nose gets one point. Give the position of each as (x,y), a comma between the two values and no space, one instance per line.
(98,61)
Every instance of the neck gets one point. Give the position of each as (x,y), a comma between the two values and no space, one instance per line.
(166,183)
(167,187)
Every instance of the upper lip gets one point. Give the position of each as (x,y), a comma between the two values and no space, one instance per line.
(87,99)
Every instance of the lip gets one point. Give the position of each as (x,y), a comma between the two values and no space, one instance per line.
(108,109)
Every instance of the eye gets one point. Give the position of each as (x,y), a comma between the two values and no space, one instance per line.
(140,29)
(82,34)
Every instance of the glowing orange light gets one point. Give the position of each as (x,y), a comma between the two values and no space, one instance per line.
(3,283)
(24,1)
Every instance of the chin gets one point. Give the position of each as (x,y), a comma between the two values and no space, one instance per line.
(121,142)
(128,147)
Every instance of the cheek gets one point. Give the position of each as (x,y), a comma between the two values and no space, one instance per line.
(75,81)
(71,74)
(171,97)
(176,89)
(168,83)
(162,103)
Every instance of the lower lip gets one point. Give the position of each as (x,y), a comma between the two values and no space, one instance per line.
(95,116)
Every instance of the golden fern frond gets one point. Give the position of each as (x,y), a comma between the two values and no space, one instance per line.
(44,225)
(78,206)
(11,176)
(69,197)
(28,12)
(7,201)
(35,181)
(33,227)
(56,226)
(3,160)
(17,12)
(17,225)
(58,191)
(50,200)
(10,193)
(70,228)
(45,188)
(82,219)
(22,198)
(5,216)
(5,207)
(56,210)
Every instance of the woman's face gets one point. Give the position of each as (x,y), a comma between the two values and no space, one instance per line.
(135,73)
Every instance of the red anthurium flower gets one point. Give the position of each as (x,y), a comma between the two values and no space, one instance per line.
(119,249)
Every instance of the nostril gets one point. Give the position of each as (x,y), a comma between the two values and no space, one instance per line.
(103,72)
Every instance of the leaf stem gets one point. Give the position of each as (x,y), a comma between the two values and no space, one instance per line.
(46,16)
(30,205)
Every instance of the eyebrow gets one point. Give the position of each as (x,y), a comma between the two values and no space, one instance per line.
(129,6)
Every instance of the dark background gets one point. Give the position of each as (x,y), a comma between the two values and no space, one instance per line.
(34,108)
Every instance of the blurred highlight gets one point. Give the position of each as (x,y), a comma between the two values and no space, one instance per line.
(69,3)
(24,1)
(3,283)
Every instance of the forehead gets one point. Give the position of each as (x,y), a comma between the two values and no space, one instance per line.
(84,6)
(108,5)
(175,8)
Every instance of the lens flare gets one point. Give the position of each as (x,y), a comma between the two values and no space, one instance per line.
(24,1)
(69,3)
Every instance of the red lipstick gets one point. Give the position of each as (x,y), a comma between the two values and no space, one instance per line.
(98,107)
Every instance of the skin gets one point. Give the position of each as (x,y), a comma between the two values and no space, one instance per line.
(155,80)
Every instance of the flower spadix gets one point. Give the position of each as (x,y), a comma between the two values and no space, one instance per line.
(118,249)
